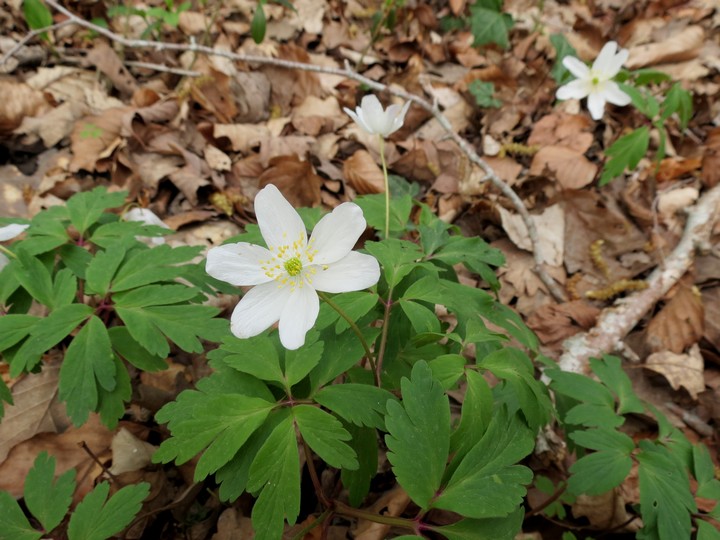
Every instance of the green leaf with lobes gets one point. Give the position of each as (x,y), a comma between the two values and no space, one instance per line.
(48,499)
(325,436)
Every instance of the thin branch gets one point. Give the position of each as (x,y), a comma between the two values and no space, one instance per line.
(347,72)
(616,322)
(29,37)
(162,68)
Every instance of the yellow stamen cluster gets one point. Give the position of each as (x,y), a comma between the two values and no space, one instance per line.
(290,263)
(293,266)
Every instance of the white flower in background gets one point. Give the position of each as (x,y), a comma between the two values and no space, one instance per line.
(148,217)
(372,118)
(287,275)
(8,232)
(596,82)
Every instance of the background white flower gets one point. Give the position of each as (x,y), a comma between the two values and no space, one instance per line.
(148,217)
(287,275)
(596,82)
(372,118)
(9,232)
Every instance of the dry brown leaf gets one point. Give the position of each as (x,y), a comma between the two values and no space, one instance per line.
(129,453)
(251,92)
(232,525)
(554,323)
(192,22)
(679,323)
(18,101)
(670,203)
(550,227)
(55,125)
(570,168)
(296,179)
(684,370)
(506,168)
(214,94)
(363,174)
(217,159)
(391,503)
(675,167)
(104,58)
(242,137)
(291,87)
(711,159)
(64,447)
(606,511)
(314,116)
(572,131)
(683,45)
(95,138)
(711,300)
(35,409)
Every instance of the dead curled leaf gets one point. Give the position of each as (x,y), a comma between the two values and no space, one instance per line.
(363,174)
(553,323)
(684,45)
(18,101)
(711,159)
(550,226)
(684,370)
(569,167)
(295,178)
(679,324)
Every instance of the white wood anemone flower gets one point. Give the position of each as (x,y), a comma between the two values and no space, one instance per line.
(148,217)
(371,116)
(8,232)
(596,82)
(286,275)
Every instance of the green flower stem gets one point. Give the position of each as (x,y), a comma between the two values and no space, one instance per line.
(7,252)
(353,325)
(315,523)
(383,339)
(349,511)
(387,186)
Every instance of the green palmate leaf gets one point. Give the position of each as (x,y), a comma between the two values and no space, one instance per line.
(145,266)
(88,364)
(419,435)
(47,333)
(704,472)
(373,207)
(85,209)
(513,366)
(354,304)
(75,258)
(300,362)
(488,24)
(364,443)
(483,92)
(665,497)
(276,471)
(156,295)
(341,352)
(13,328)
(447,369)
(184,325)
(130,350)
(487,483)
(643,77)
(359,404)
(5,397)
(397,257)
(37,14)
(34,276)
(581,388)
(706,531)
(562,49)
(64,288)
(625,153)
(475,416)
(111,403)
(325,436)
(256,356)
(48,500)
(476,254)
(47,231)
(599,472)
(99,518)
(102,268)
(484,529)
(221,423)
(13,523)
(592,415)
(609,370)
(258,24)
(422,318)
(677,100)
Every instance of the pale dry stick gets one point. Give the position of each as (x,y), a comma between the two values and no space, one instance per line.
(616,322)
(347,72)
(163,69)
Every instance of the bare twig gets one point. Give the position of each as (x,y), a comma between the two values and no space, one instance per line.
(30,36)
(348,73)
(162,68)
(615,322)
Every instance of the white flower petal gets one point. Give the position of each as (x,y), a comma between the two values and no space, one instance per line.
(144,215)
(357,118)
(620,59)
(577,89)
(596,105)
(259,309)
(354,272)
(576,67)
(397,114)
(3,261)
(298,316)
(238,264)
(373,113)
(279,223)
(607,64)
(614,95)
(11,231)
(336,233)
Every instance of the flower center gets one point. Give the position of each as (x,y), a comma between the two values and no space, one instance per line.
(293,266)
(595,81)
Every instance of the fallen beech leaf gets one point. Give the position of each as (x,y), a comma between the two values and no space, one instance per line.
(314,115)
(95,138)
(363,174)
(570,168)
(296,179)
(550,227)
(391,503)
(684,370)
(232,525)
(671,202)
(711,300)
(606,511)
(684,45)
(35,409)
(217,159)
(242,137)
(18,101)
(506,168)
(554,323)
(572,131)
(129,453)
(213,93)
(711,159)
(672,168)
(679,324)
(105,59)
